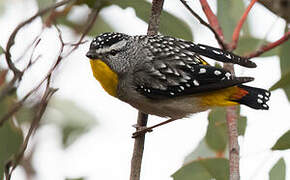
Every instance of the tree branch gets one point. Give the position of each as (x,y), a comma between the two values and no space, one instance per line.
(136,161)
(138,150)
(236,33)
(217,36)
(234,149)
(269,46)
(11,40)
(213,20)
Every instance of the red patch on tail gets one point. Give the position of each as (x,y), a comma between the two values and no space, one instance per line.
(240,94)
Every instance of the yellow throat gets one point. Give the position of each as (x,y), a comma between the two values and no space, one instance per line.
(104,74)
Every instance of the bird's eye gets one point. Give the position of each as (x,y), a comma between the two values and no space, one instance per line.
(113,52)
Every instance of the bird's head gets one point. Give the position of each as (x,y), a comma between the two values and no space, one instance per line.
(110,48)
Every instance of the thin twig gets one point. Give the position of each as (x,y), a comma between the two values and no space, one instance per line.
(236,33)
(149,129)
(218,38)
(35,122)
(154,20)
(138,150)
(213,21)
(11,40)
(269,46)
(136,161)
(20,103)
(92,18)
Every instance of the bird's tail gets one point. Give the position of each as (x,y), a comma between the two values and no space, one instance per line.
(253,97)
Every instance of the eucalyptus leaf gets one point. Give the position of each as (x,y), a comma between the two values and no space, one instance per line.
(1,49)
(283,142)
(200,152)
(81,178)
(204,169)
(216,136)
(44,3)
(278,172)
(284,82)
(229,13)
(11,139)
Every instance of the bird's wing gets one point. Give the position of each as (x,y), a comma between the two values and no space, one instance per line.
(180,73)
(159,43)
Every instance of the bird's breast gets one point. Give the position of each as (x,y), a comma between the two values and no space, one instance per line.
(105,75)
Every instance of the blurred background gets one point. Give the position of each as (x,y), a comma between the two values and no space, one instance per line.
(85,134)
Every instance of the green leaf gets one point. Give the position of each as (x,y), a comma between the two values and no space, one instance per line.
(216,136)
(229,13)
(11,139)
(72,120)
(90,3)
(278,172)
(283,142)
(247,44)
(2,6)
(169,24)
(284,82)
(1,50)
(205,169)
(81,178)
(202,151)
(242,122)
(44,3)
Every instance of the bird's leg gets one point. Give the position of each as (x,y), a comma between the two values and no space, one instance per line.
(149,129)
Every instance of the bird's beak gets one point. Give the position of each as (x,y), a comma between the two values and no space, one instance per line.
(92,55)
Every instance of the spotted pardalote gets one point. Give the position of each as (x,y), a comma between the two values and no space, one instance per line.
(167,76)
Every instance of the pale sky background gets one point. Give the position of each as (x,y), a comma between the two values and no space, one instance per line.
(105,152)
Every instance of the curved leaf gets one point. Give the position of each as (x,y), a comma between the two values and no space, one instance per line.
(216,136)
(278,172)
(202,151)
(229,13)
(283,142)
(284,82)
(205,169)
(11,139)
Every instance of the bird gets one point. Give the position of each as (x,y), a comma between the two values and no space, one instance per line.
(168,77)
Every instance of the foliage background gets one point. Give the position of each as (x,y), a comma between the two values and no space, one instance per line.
(81,107)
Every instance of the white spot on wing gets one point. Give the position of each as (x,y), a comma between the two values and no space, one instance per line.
(202,70)
(216,52)
(202,47)
(195,82)
(217,72)
(228,75)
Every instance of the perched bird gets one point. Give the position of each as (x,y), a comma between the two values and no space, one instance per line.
(166,76)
